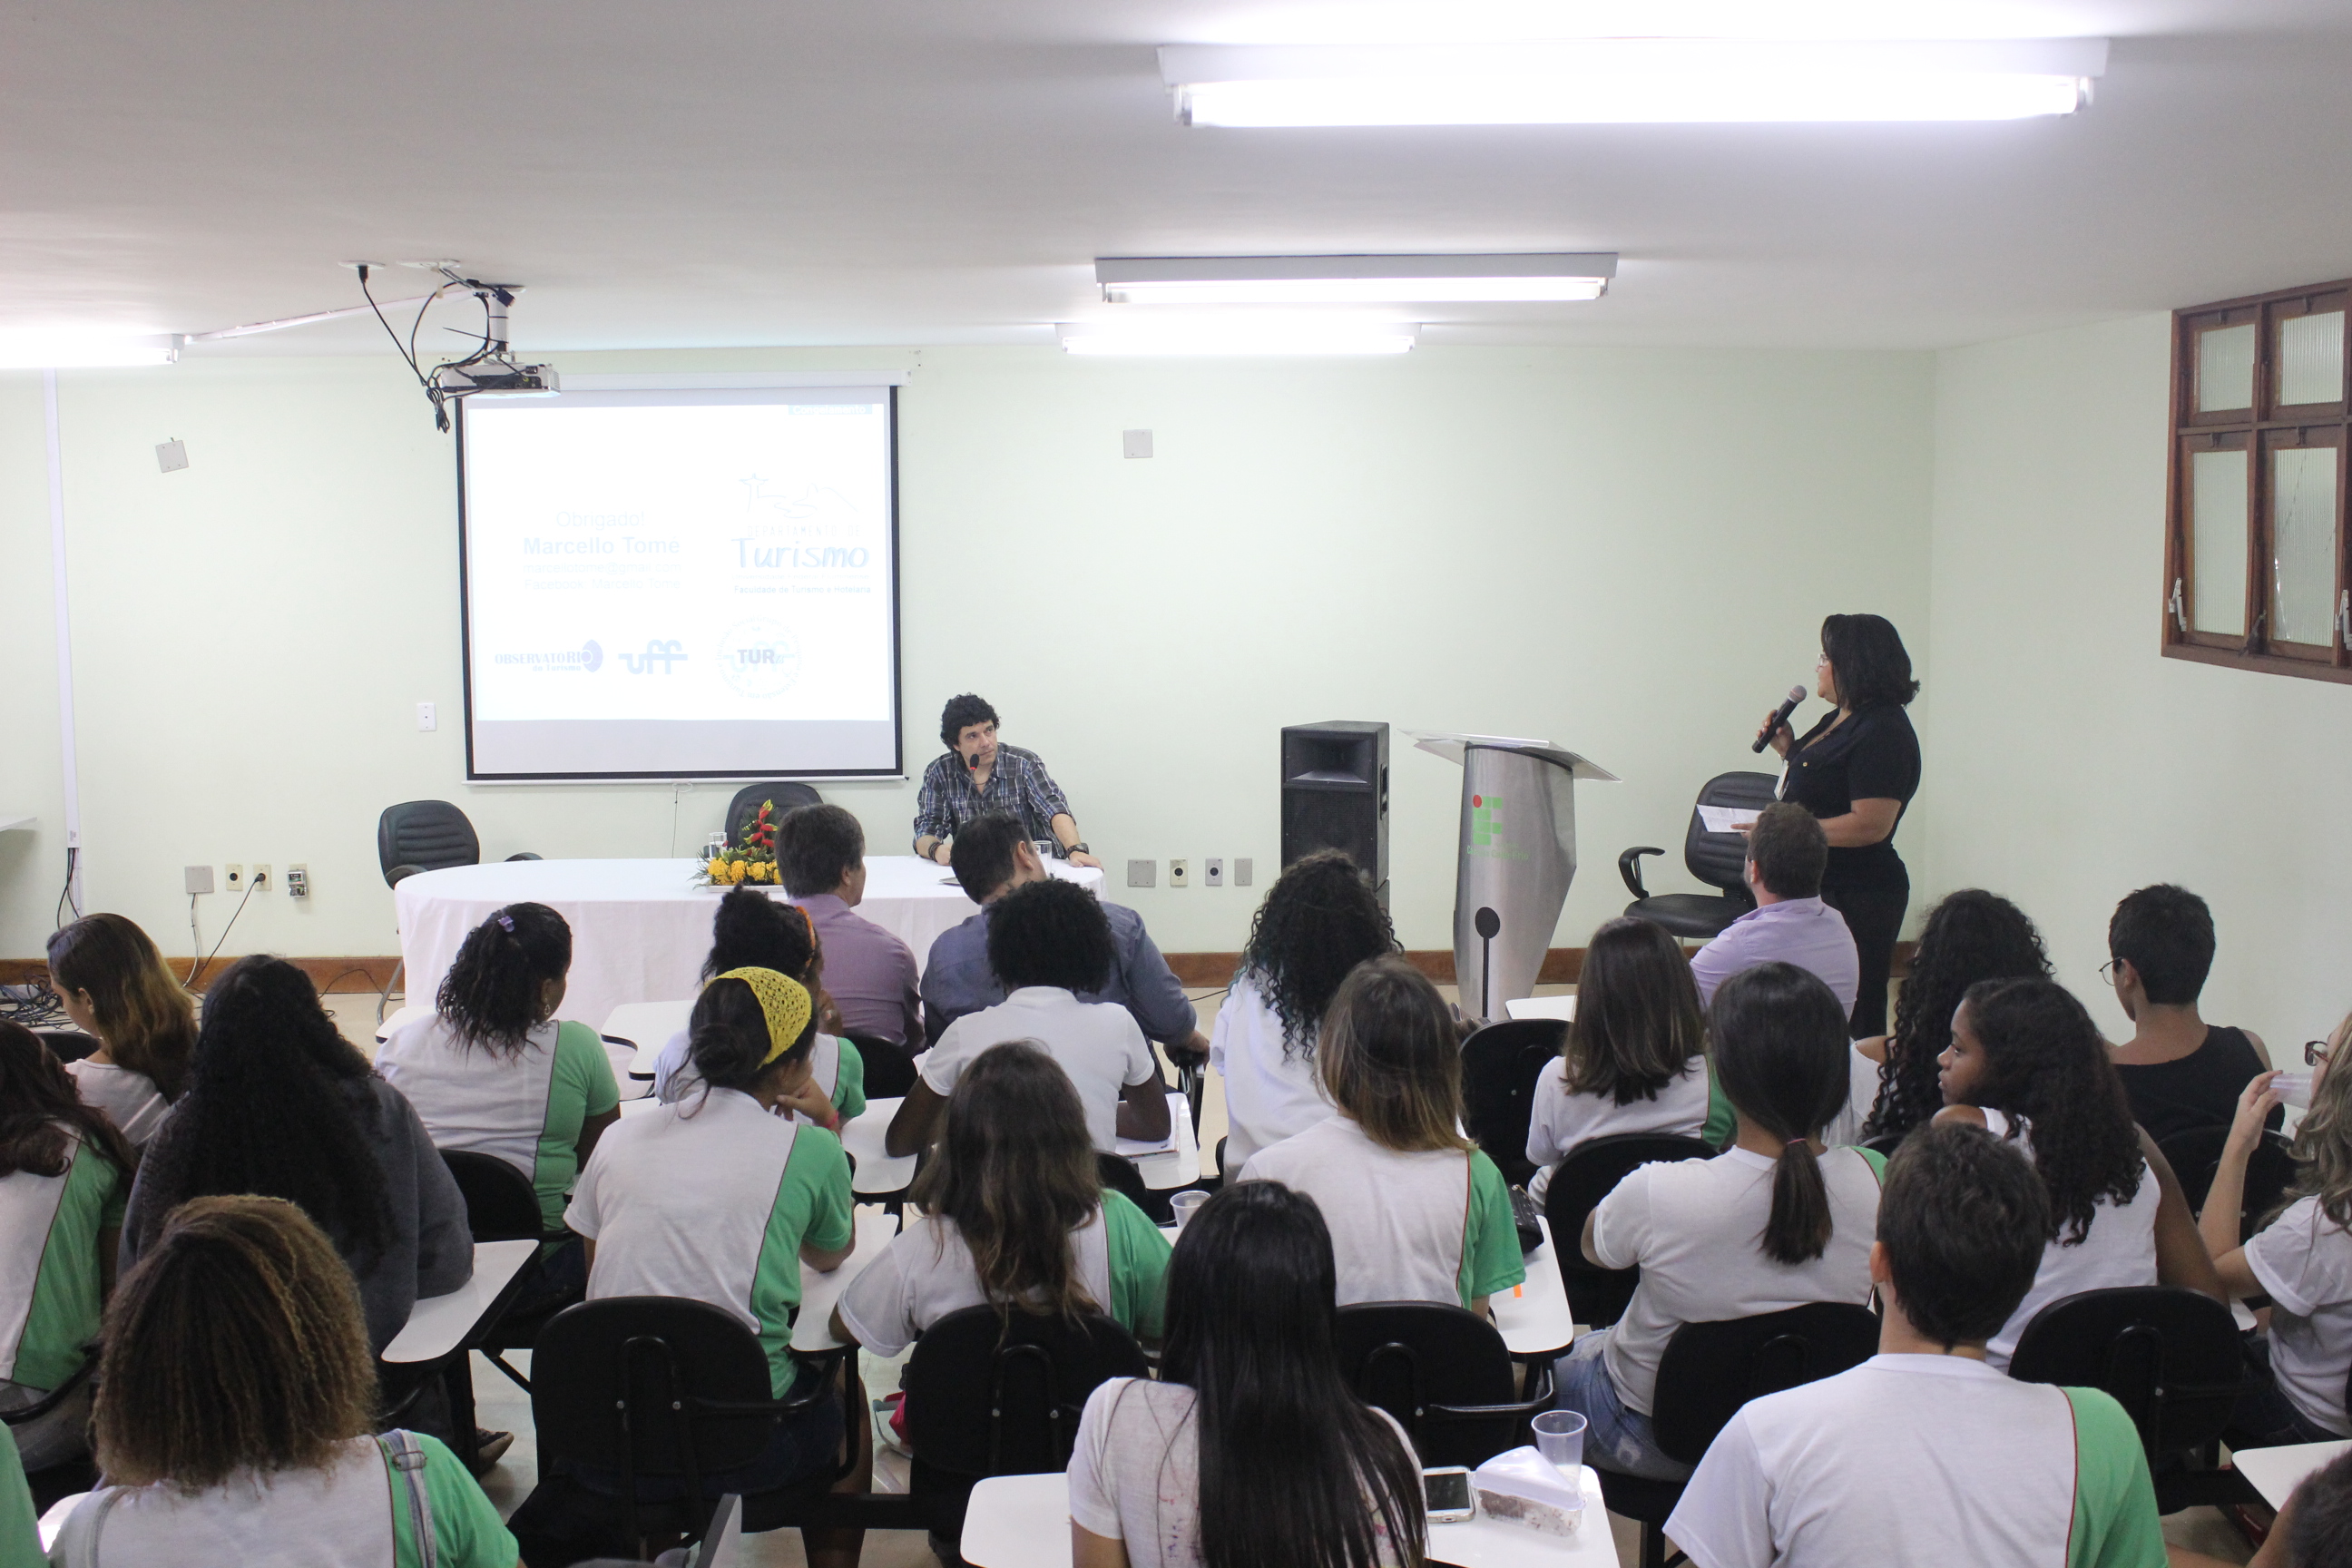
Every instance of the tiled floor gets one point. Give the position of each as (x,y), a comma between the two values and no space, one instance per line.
(502,1406)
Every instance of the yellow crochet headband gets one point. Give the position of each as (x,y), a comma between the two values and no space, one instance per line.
(785,1001)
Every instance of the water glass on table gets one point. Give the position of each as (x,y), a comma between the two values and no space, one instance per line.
(1184,1203)
(1559,1437)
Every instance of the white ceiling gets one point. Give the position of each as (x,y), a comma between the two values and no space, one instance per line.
(877,172)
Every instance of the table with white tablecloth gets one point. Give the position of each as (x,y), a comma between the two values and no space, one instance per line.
(640,928)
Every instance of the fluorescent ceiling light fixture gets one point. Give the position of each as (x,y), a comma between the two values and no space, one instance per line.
(46,349)
(1632,81)
(1352,279)
(1237,336)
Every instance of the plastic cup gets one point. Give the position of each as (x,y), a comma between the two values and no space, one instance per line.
(1184,1203)
(1559,1437)
(2294,1088)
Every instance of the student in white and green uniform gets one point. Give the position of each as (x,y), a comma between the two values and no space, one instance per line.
(64,1173)
(240,1402)
(1012,1178)
(752,931)
(721,1196)
(1924,1454)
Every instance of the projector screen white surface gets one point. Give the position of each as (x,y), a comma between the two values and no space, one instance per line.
(680,585)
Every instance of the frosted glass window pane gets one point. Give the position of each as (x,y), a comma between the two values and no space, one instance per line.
(2303,560)
(2217,541)
(2311,358)
(2225,369)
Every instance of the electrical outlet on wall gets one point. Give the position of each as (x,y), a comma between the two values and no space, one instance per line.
(1143,873)
(1180,873)
(236,877)
(199,878)
(298,882)
(1212,871)
(261,878)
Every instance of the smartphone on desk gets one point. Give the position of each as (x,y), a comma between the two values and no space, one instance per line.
(1446,1490)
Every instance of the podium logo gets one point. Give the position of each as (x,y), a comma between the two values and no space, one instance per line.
(585,660)
(1486,841)
(657,651)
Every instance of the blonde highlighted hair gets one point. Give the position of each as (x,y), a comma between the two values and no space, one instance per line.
(1391,1059)
(2322,1141)
(145,1014)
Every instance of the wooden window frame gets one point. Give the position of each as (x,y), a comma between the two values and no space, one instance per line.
(2263,430)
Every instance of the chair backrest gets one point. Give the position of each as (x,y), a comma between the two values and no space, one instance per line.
(889,1069)
(1500,1065)
(751,797)
(618,1383)
(1710,1369)
(1408,1357)
(1002,1396)
(2196,1155)
(2171,1357)
(430,835)
(1598,1297)
(67,1044)
(1720,860)
(1120,1176)
(501,1203)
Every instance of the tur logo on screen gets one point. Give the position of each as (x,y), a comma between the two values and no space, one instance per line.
(759,657)
(657,651)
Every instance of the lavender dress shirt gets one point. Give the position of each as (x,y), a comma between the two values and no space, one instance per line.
(1806,932)
(869,973)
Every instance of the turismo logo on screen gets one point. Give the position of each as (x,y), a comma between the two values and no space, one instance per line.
(668,653)
(586,659)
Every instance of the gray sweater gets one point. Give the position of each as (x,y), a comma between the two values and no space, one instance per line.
(431,1250)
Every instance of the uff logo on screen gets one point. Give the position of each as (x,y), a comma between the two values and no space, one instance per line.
(667,652)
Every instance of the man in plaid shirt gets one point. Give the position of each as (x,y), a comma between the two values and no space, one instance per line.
(981,775)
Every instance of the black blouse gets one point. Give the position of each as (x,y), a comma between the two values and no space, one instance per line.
(1875,755)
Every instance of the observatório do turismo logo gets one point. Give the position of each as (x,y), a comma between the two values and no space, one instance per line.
(586,659)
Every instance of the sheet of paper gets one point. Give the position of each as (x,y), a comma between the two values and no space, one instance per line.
(1726,818)
(1139,1148)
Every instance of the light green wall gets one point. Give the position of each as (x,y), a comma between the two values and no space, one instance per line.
(1626,551)
(2069,762)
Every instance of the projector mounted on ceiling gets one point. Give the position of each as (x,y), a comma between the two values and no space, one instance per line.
(490,369)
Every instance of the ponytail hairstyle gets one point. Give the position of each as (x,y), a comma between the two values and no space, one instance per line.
(1638,1022)
(2046,1065)
(1295,1471)
(146,1016)
(1390,1060)
(728,1037)
(1014,1170)
(490,995)
(752,931)
(1972,935)
(1781,1056)
(41,1112)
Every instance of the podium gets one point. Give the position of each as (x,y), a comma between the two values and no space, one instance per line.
(1517,859)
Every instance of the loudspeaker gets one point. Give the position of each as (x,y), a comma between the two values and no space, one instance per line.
(1335,793)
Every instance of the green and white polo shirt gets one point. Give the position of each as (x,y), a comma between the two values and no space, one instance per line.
(527,1108)
(50,1302)
(711,1199)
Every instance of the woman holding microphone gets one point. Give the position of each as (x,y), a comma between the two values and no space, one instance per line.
(1856,770)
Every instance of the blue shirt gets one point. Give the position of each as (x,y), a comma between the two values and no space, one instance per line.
(1806,932)
(956,979)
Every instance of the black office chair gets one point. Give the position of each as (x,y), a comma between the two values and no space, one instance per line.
(1598,1297)
(2171,1357)
(423,836)
(747,801)
(1002,1396)
(2195,1155)
(1718,860)
(67,1044)
(889,1069)
(1445,1374)
(1119,1175)
(501,1205)
(60,1480)
(1500,1065)
(660,1390)
(1709,1371)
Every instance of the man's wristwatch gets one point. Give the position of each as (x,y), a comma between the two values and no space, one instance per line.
(1077,849)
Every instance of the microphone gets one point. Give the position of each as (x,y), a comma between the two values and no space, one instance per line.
(1779,717)
(973,763)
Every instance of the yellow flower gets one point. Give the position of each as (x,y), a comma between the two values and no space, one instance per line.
(717,869)
(735,872)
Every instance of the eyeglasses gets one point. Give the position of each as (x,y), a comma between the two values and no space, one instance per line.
(2107,970)
(2314,1052)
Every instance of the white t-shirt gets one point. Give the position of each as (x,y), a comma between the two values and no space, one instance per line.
(927,1272)
(2118,1249)
(1271,1093)
(1135,1474)
(2303,1263)
(674,1077)
(1861,1093)
(1695,1229)
(1922,1460)
(1558,1120)
(129,1100)
(1097,1043)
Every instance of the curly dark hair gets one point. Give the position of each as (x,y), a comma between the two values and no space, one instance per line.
(1320,919)
(1867,655)
(1050,933)
(269,1109)
(1972,935)
(961,714)
(752,931)
(490,995)
(2046,1065)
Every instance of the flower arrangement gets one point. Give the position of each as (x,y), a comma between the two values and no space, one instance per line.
(752,861)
